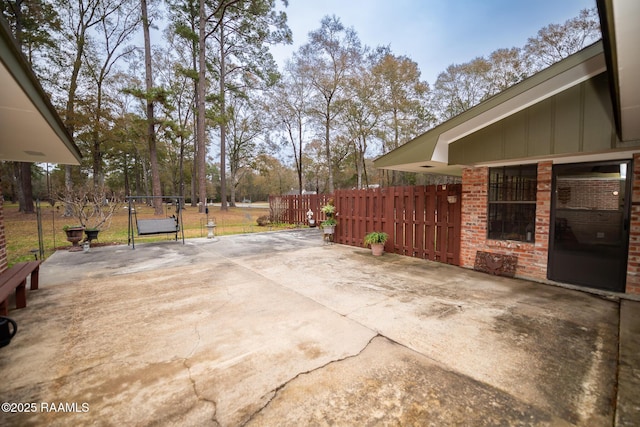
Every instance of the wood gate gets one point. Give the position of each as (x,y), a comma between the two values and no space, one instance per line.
(421,221)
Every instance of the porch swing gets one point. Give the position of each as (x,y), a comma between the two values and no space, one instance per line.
(151,226)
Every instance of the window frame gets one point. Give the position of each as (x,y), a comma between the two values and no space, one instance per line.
(511,202)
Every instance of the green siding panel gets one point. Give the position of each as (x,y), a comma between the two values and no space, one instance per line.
(493,141)
(567,121)
(515,135)
(456,154)
(539,139)
(483,145)
(579,119)
(598,134)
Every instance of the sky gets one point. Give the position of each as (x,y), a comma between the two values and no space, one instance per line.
(433,33)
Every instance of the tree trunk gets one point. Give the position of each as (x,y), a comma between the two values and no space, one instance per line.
(127,190)
(27,189)
(327,126)
(70,118)
(68,186)
(181,171)
(223,126)
(196,162)
(139,181)
(98,173)
(358,163)
(202,146)
(232,196)
(151,130)
(299,159)
(17,170)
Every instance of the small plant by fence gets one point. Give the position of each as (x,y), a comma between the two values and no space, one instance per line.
(421,221)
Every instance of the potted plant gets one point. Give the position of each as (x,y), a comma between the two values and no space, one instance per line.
(329,209)
(376,239)
(329,224)
(74,235)
(93,209)
(91,233)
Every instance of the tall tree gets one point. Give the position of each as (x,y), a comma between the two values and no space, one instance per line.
(289,107)
(362,115)
(330,56)
(78,18)
(403,102)
(460,87)
(179,120)
(508,67)
(403,96)
(244,60)
(185,21)
(214,18)
(246,125)
(111,35)
(151,125)
(557,41)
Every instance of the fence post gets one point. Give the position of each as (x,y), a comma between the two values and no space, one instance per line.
(388,217)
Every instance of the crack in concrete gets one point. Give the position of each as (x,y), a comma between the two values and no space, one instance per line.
(185,363)
(274,393)
(363,307)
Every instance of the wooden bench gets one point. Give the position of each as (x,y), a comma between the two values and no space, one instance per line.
(15,278)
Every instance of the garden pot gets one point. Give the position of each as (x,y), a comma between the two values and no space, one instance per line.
(377,249)
(91,235)
(328,229)
(74,235)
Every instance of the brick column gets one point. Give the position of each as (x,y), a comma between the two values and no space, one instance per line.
(473,231)
(633,260)
(539,261)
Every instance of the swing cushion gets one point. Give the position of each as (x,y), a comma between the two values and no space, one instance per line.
(157,226)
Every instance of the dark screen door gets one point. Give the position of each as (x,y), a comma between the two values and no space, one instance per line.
(589,230)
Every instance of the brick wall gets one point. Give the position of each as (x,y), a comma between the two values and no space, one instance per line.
(594,194)
(633,261)
(532,257)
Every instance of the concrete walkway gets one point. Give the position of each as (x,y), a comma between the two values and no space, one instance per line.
(277,329)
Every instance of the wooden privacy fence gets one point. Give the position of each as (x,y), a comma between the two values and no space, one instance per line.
(293,209)
(422,221)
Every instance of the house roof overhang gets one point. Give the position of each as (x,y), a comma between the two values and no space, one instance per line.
(32,131)
(621,33)
(429,152)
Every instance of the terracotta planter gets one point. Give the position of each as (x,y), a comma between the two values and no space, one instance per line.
(377,249)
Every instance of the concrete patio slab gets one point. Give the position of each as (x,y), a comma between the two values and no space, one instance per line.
(279,329)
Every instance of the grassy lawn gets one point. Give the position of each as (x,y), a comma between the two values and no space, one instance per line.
(21,230)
